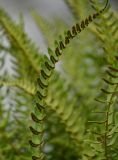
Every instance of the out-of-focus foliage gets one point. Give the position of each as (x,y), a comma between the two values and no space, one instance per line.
(76,126)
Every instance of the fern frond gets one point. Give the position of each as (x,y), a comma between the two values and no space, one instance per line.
(107,133)
(71,118)
(45,26)
(47,68)
(66,110)
(77,8)
(22,84)
(71,6)
(20,40)
(107,29)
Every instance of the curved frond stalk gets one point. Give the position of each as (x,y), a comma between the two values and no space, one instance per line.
(45,74)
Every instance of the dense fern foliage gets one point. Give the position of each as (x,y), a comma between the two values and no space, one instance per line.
(69,111)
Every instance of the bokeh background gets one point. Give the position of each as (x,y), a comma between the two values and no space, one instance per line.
(16,145)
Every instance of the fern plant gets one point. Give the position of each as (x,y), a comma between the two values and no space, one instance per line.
(59,108)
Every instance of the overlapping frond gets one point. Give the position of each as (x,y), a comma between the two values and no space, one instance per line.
(107,31)
(106,133)
(21,45)
(77,8)
(22,84)
(67,109)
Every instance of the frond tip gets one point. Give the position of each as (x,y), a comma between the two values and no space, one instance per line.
(107,1)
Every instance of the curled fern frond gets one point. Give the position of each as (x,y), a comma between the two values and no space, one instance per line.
(49,66)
